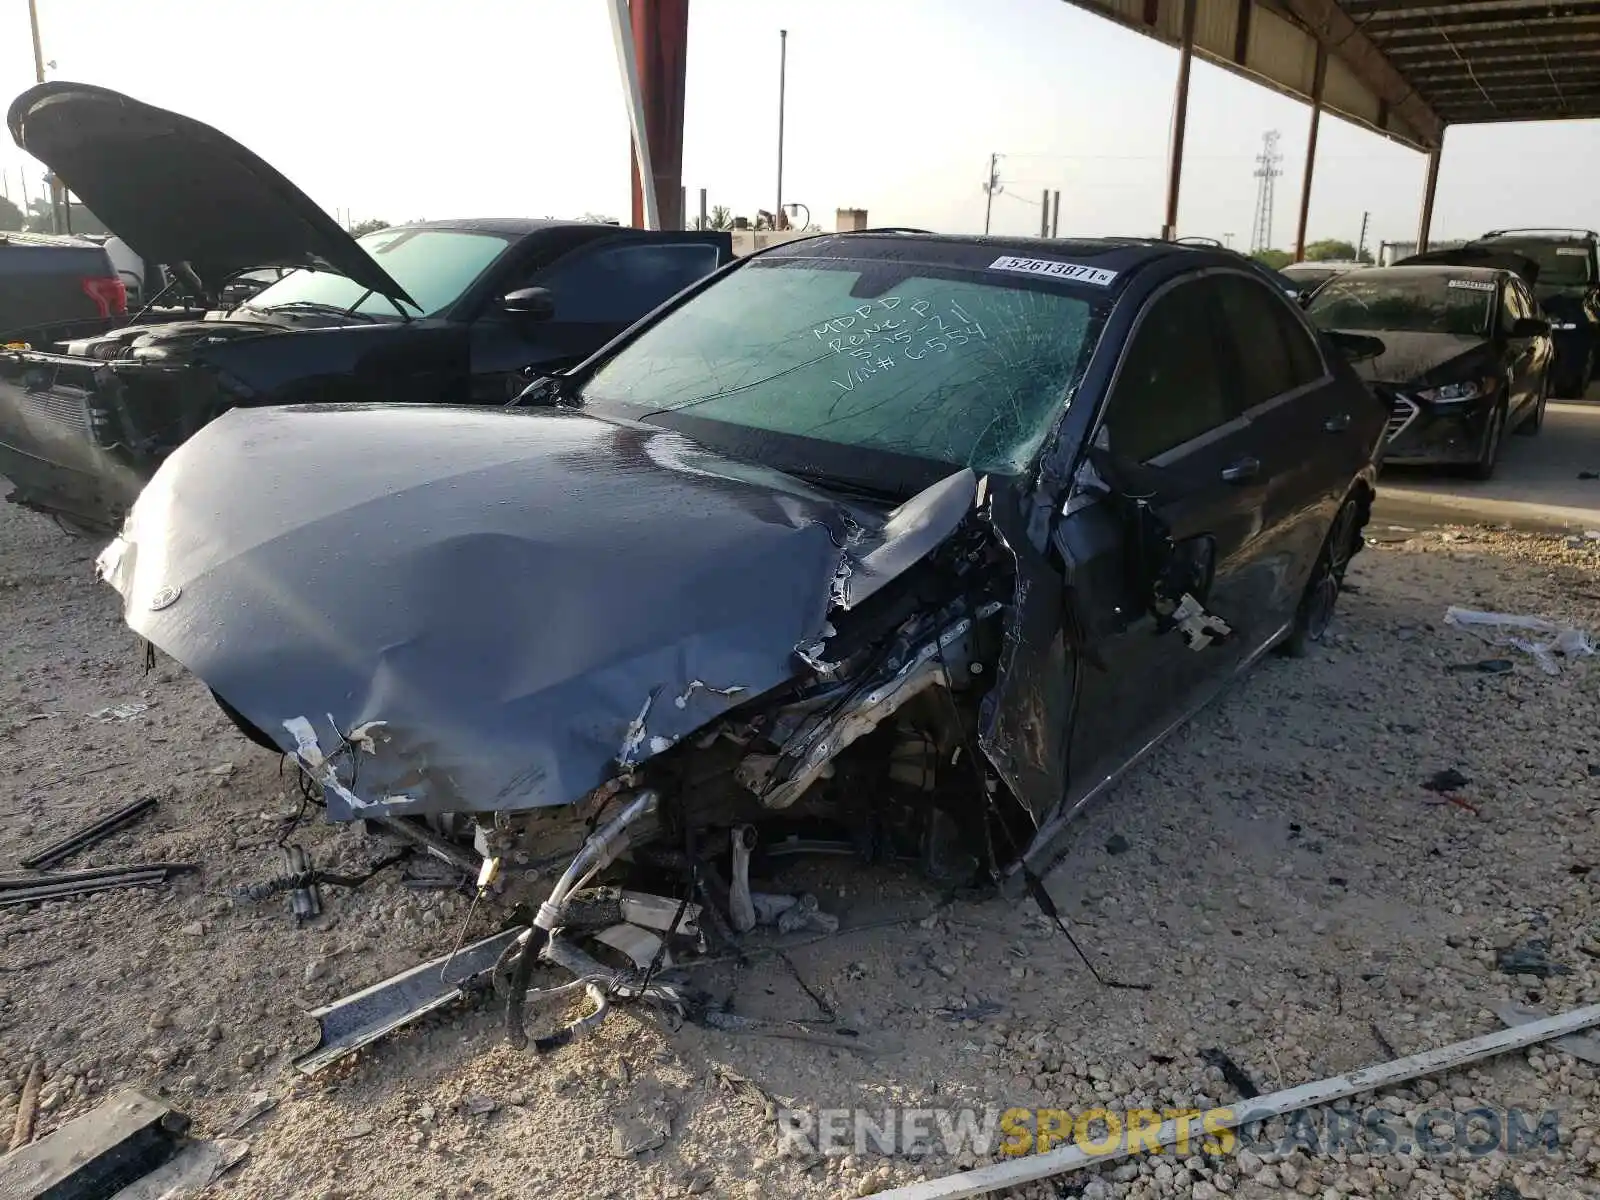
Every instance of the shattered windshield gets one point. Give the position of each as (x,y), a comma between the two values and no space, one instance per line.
(434,266)
(1427,302)
(955,366)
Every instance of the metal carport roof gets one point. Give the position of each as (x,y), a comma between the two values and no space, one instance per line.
(1406,69)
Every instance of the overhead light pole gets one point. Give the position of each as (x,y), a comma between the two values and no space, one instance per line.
(38,75)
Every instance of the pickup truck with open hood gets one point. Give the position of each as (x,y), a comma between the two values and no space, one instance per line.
(434,311)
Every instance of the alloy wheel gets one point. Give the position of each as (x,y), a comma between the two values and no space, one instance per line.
(1332,564)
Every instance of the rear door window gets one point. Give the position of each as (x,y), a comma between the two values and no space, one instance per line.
(1170,388)
(1274,352)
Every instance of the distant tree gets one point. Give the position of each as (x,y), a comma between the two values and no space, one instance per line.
(1330,249)
(600,219)
(370,225)
(1276,259)
(10,216)
(721,217)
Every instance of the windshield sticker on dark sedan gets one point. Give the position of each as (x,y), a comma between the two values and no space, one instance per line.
(1572,251)
(1472,285)
(1075,272)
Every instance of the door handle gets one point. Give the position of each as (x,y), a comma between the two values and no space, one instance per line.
(1336,424)
(1242,471)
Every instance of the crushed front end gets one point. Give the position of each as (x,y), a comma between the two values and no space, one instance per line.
(604,672)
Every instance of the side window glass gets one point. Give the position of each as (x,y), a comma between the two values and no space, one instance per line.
(1169,389)
(1274,352)
(619,284)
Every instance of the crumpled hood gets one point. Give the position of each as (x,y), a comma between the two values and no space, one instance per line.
(1422,359)
(488,609)
(177,190)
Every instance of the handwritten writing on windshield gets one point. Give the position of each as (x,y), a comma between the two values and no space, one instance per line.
(886,333)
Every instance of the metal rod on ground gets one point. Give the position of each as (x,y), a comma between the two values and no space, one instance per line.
(27,1106)
(1034,1167)
(1319,78)
(90,834)
(1180,118)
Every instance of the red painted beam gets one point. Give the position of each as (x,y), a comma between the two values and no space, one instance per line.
(661,41)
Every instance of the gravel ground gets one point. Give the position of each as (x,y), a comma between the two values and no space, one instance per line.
(1277,874)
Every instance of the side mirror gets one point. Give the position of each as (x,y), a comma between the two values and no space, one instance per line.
(1527,327)
(532,303)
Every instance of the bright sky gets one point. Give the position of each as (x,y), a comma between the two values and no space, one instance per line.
(513,107)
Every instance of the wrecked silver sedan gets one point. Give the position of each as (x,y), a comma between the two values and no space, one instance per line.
(904,543)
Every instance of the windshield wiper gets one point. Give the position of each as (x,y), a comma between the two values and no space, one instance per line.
(316,306)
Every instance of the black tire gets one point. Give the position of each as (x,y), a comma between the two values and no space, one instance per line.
(1314,614)
(1534,421)
(1489,457)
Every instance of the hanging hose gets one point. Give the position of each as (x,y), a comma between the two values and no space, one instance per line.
(521,973)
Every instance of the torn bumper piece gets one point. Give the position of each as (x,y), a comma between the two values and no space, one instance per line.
(367,1015)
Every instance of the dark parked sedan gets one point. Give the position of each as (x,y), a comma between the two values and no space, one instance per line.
(447,311)
(1466,358)
(919,540)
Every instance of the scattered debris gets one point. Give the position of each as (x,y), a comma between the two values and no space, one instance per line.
(63,885)
(119,712)
(1487,666)
(196,1167)
(1117,844)
(1232,1072)
(1584,1046)
(1448,780)
(90,834)
(1529,958)
(1589,474)
(28,1106)
(1569,643)
(96,1154)
(1384,1043)
(261,1103)
(360,1129)
(365,1016)
(1029,1168)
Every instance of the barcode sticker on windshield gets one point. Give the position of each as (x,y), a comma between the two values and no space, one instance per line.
(1072,272)
(1572,251)
(1473,285)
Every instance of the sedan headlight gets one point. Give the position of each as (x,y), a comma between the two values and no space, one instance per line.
(1457,393)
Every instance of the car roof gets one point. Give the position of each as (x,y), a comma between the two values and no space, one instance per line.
(504,226)
(1325,265)
(1122,256)
(1581,236)
(1487,274)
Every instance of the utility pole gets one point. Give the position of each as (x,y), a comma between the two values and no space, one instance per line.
(38,76)
(1361,245)
(990,187)
(1267,170)
(1044,215)
(783,65)
(1055,215)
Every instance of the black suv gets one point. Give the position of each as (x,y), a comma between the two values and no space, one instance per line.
(1568,290)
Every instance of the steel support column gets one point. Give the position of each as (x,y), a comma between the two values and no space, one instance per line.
(1429,187)
(1180,118)
(1319,77)
(661,46)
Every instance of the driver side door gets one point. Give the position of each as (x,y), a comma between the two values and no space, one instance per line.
(599,289)
(1177,509)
